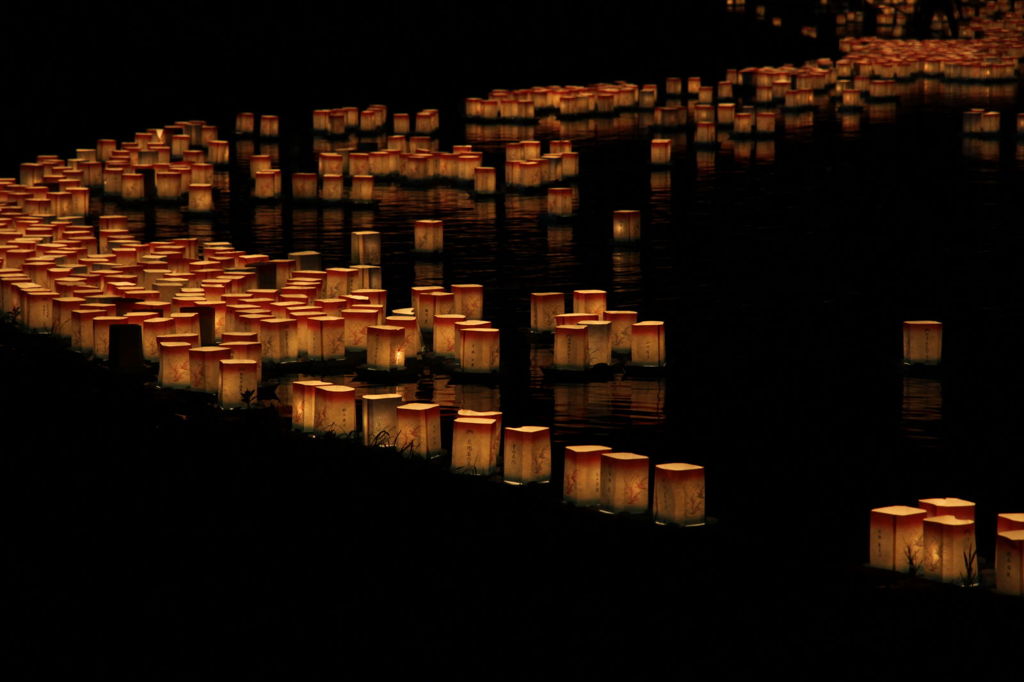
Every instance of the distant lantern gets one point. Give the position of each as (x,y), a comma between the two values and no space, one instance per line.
(334,409)
(570,348)
(527,455)
(200,198)
(679,494)
(428,236)
(472,446)
(624,477)
(1010,562)
(419,429)
(952,506)
(325,337)
(238,381)
(265,186)
(599,342)
(380,418)
(444,334)
(385,348)
(332,187)
(304,186)
(174,364)
(661,152)
(581,479)
(304,403)
(269,125)
(589,300)
(480,350)
(626,226)
(647,344)
(922,342)
(204,367)
(559,202)
(949,553)
(544,306)
(366,247)
(362,188)
(245,123)
(622,328)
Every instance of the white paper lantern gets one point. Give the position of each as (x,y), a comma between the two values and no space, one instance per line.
(238,380)
(472,446)
(951,506)
(581,480)
(949,550)
(419,429)
(527,455)
(570,348)
(647,344)
(1010,562)
(624,477)
(544,306)
(204,367)
(679,494)
(380,418)
(897,538)
(385,348)
(304,403)
(334,409)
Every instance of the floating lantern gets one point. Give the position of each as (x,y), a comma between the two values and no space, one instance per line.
(380,418)
(661,152)
(1005,522)
(366,247)
(101,333)
(428,236)
(332,188)
(174,364)
(237,382)
(247,350)
(340,281)
(625,227)
(544,306)
(570,348)
(204,367)
(647,344)
(304,403)
(922,342)
(267,184)
(304,186)
(385,348)
(479,350)
(624,477)
(527,455)
(269,125)
(200,198)
(334,409)
(589,300)
(473,449)
(598,338)
(356,322)
(679,494)
(444,334)
(152,328)
(622,328)
(218,152)
(581,481)
(948,506)
(419,429)
(559,202)
(362,188)
(280,339)
(468,300)
(1010,562)
(949,553)
(245,123)
(485,180)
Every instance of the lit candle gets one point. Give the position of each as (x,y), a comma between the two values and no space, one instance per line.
(949,550)
(385,348)
(679,494)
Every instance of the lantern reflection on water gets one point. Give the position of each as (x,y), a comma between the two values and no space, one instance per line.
(581,480)
(472,445)
(679,494)
(419,429)
(174,364)
(624,477)
(948,506)
(527,455)
(922,342)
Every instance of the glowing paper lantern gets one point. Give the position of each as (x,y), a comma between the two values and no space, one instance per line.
(647,344)
(559,202)
(237,382)
(949,550)
(624,477)
(1010,562)
(468,300)
(304,403)
(922,342)
(599,342)
(174,364)
(679,494)
(570,348)
(1005,522)
(527,455)
(589,301)
(485,180)
(480,350)
(626,226)
(622,328)
(581,480)
(472,446)
(384,348)
(325,337)
(280,339)
(151,329)
(366,247)
(200,198)
(362,188)
(204,367)
(951,506)
(412,342)
(661,152)
(419,429)
(428,236)
(101,333)
(380,418)
(444,334)
(334,409)
(544,306)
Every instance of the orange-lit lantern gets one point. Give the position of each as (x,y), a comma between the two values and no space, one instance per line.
(679,494)
(204,367)
(472,445)
(897,538)
(304,403)
(922,342)
(1010,562)
(237,382)
(647,344)
(174,364)
(280,338)
(949,550)
(599,342)
(626,226)
(380,418)
(334,409)
(419,429)
(581,480)
(622,328)
(366,247)
(480,353)
(570,348)
(527,455)
(385,348)
(428,236)
(624,477)
(544,306)
(951,506)
(1005,522)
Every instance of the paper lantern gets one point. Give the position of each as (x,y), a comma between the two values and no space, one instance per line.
(599,342)
(949,553)
(951,506)
(472,446)
(647,344)
(380,418)
(444,334)
(626,226)
(544,306)
(581,479)
(661,152)
(589,300)
(356,322)
(468,300)
(200,198)
(101,333)
(384,348)
(428,236)
(362,188)
(38,309)
(480,350)
(237,382)
(304,403)
(174,364)
(1010,562)
(204,367)
(679,494)
(325,337)
(269,125)
(334,409)
(366,247)
(624,477)
(367,277)
(280,339)
(266,184)
(339,281)
(247,350)
(527,455)
(151,329)
(570,348)
(559,202)
(419,429)
(622,328)
(332,187)
(922,342)
(1005,522)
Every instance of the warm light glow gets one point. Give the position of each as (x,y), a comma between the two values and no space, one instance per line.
(949,550)
(624,477)
(527,455)
(473,451)
(679,494)
(581,480)
(922,342)
(419,429)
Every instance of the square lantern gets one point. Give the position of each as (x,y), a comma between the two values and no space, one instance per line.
(581,480)
(897,538)
(589,301)
(544,306)
(380,418)
(647,344)
(444,334)
(247,350)
(238,382)
(204,367)
(527,455)
(599,342)
(357,320)
(385,348)
(174,364)
(949,553)
(952,506)
(679,494)
(624,482)
(419,429)
(428,236)
(304,403)
(922,342)
(570,348)
(1005,522)
(472,446)
(365,247)
(480,352)
(1010,562)
(626,224)
(622,328)
(334,409)
(412,341)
